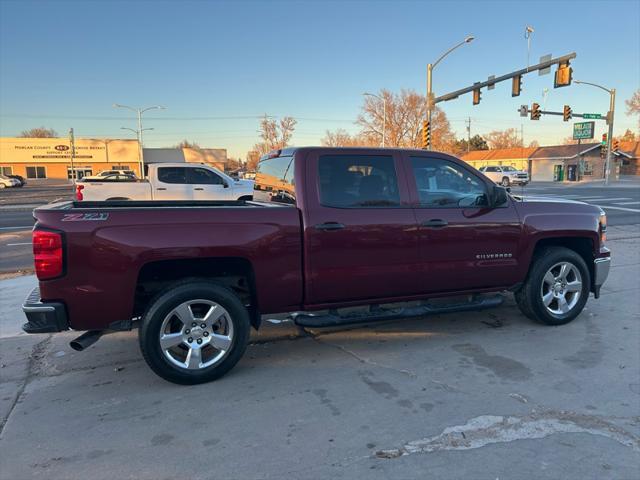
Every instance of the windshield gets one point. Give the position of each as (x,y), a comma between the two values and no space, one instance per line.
(508,169)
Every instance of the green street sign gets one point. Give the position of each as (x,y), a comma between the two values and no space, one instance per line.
(595,116)
(583,130)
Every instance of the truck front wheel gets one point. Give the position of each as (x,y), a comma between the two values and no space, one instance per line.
(194,332)
(557,287)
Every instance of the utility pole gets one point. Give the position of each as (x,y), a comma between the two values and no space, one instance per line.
(468,134)
(430,67)
(610,115)
(72,144)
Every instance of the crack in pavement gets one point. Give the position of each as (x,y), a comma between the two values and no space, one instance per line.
(37,355)
(488,429)
(363,359)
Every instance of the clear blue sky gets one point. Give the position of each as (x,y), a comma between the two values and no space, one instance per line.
(219,65)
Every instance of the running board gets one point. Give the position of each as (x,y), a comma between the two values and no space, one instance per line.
(377,314)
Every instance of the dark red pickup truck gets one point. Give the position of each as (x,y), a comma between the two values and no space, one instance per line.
(329,228)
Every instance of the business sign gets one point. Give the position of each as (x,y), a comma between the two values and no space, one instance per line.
(583,130)
(58,150)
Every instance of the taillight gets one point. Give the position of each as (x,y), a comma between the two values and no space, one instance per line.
(79,196)
(47,254)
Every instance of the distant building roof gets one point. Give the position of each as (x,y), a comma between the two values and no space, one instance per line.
(499,154)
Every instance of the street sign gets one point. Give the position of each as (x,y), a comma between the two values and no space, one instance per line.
(583,130)
(544,71)
(595,116)
(491,86)
(524,110)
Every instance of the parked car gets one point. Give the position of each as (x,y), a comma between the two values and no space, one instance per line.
(7,182)
(106,173)
(168,181)
(505,175)
(340,228)
(19,178)
(113,177)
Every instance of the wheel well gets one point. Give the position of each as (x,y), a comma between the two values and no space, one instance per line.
(582,246)
(233,273)
(246,198)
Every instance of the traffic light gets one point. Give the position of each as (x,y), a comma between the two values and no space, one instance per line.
(563,75)
(616,145)
(535,111)
(426,133)
(603,147)
(604,139)
(476,96)
(516,86)
(567,113)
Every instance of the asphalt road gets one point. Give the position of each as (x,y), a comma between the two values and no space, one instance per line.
(476,395)
(620,200)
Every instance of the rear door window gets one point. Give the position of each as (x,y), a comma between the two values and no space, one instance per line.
(358,181)
(172,174)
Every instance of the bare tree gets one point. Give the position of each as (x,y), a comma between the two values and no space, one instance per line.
(39,132)
(569,141)
(275,135)
(509,138)
(341,138)
(633,106)
(534,144)
(628,136)
(404,115)
(187,144)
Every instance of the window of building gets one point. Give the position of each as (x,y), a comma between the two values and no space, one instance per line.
(172,174)
(36,172)
(120,167)
(587,168)
(444,184)
(352,181)
(6,170)
(203,176)
(80,172)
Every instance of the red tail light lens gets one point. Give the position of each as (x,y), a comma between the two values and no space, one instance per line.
(47,254)
(79,196)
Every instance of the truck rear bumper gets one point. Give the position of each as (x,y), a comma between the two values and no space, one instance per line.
(601,267)
(44,317)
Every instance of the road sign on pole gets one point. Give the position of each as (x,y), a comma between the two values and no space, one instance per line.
(583,130)
(595,116)
(524,110)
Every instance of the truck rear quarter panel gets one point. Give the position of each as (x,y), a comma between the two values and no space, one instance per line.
(104,258)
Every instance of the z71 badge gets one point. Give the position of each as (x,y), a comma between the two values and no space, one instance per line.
(85,217)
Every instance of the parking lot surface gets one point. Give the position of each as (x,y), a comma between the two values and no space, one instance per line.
(478,395)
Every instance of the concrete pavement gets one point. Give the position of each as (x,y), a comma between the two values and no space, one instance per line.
(478,395)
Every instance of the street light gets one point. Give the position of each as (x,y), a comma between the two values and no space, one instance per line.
(384,114)
(139,112)
(610,114)
(430,68)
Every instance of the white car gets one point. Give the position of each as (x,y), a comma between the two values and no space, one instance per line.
(505,175)
(169,181)
(6,182)
(106,173)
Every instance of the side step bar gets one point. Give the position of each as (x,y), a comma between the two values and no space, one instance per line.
(376,313)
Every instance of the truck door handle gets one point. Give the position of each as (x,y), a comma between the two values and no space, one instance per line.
(435,223)
(198,188)
(160,188)
(329,226)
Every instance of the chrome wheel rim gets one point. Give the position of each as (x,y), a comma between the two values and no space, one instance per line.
(561,288)
(196,334)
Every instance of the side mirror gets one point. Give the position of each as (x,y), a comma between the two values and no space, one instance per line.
(498,196)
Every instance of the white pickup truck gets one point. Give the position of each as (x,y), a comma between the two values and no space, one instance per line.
(169,181)
(505,175)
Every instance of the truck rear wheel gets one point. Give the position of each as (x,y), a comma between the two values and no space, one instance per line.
(557,287)
(194,332)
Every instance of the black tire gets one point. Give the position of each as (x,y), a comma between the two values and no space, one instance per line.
(164,303)
(505,182)
(529,297)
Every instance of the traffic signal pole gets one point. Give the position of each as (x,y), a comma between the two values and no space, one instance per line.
(612,107)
